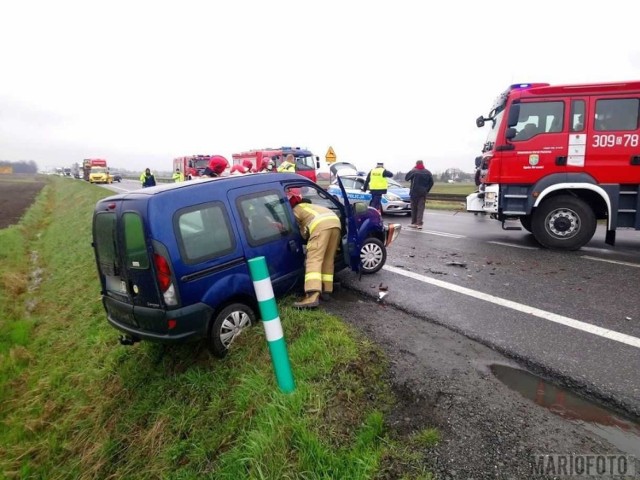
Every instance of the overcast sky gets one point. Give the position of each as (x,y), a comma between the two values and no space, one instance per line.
(139,83)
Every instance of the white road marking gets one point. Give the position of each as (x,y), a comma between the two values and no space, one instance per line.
(552,317)
(618,262)
(433,232)
(596,249)
(514,245)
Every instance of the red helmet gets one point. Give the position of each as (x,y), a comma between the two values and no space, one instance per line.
(294,200)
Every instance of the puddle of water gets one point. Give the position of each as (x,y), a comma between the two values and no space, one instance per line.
(619,431)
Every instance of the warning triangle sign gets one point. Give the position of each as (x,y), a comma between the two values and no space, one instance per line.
(330,156)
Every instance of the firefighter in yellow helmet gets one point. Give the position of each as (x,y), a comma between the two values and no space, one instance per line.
(321,228)
(178,176)
(289,165)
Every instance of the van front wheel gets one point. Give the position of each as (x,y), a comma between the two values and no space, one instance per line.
(373,255)
(226,327)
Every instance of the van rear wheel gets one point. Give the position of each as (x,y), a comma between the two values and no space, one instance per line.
(227,325)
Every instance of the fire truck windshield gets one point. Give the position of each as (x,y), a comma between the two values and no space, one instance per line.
(201,163)
(493,132)
(305,163)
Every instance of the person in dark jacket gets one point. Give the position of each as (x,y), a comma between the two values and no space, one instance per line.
(376,181)
(147,179)
(421,184)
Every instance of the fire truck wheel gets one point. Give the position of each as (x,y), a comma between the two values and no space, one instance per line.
(526,223)
(563,223)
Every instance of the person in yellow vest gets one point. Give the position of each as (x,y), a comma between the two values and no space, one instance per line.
(147,179)
(376,182)
(178,176)
(289,165)
(321,228)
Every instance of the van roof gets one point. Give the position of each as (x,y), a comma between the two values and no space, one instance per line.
(227,182)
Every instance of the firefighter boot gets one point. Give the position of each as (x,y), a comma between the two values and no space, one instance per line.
(311,300)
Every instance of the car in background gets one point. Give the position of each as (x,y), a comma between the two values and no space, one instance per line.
(116,177)
(399,190)
(392,202)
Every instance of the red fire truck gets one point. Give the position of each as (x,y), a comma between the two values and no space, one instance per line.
(559,158)
(191,166)
(306,162)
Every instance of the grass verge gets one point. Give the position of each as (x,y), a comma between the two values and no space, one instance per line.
(75,404)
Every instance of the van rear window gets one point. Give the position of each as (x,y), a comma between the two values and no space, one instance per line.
(204,232)
(105,242)
(135,247)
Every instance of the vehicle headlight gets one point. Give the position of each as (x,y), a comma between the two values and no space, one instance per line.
(490,196)
(392,197)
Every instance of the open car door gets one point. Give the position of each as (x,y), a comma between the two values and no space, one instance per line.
(350,245)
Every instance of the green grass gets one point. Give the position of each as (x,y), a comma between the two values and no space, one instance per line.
(454,188)
(75,404)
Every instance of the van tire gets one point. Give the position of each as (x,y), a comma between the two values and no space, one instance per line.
(563,223)
(227,325)
(373,255)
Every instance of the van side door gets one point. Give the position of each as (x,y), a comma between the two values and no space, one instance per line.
(266,229)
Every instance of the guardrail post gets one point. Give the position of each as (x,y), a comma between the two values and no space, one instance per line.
(271,322)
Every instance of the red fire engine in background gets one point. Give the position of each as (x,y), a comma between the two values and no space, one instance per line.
(559,158)
(192,166)
(306,163)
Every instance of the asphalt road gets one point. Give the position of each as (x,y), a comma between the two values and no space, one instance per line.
(558,312)
(573,316)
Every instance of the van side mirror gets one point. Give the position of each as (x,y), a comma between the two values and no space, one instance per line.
(510,133)
(514,114)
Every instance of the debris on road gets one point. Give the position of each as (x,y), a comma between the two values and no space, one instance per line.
(457,264)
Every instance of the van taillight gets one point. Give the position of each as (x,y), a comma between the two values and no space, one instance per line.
(163,272)
(163,276)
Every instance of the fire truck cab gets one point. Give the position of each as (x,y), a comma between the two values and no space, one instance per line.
(191,166)
(306,162)
(559,158)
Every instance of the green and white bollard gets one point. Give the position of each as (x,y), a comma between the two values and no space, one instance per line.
(271,321)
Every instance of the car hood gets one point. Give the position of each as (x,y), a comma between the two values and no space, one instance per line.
(402,192)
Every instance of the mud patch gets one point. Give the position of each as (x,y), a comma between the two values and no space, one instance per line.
(17,193)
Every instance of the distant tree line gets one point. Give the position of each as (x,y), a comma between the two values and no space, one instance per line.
(23,166)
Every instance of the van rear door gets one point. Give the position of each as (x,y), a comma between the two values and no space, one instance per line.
(130,291)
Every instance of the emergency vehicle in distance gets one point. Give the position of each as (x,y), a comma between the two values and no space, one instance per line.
(559,158)
(95,170)
(191,166)
(306,162)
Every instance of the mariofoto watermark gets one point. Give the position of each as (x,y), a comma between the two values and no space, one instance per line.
(573,465)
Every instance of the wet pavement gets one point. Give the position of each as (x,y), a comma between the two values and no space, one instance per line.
(443,379)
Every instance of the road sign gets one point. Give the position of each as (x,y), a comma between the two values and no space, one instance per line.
(330,157)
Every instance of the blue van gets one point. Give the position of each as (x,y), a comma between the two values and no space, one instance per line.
(172,259)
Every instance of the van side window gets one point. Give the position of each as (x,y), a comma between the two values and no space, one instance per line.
(204,232)
(135,249)
(577,115)
(616,114)
(539,117)
(264,217)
